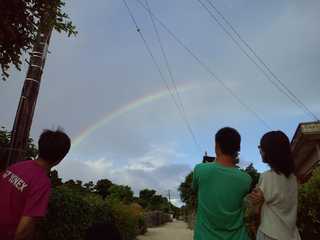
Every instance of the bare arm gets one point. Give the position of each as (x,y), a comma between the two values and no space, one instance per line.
(25,228)
(257,199)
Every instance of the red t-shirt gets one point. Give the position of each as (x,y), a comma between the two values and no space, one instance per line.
(24,191)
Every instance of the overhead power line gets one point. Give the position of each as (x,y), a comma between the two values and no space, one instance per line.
(153,59)
(296,101)
(203,64)
(184,115)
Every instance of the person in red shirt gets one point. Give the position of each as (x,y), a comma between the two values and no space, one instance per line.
(25,187)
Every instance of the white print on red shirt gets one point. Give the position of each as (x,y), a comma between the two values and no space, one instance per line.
(15,180)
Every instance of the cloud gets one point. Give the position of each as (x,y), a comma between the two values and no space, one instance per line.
(99,165)
(107,66)
(159,169)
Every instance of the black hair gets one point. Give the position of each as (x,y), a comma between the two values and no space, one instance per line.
(229,141)
(276,147)
(102,231)
(53,145)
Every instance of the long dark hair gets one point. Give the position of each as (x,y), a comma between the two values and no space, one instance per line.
(276,146)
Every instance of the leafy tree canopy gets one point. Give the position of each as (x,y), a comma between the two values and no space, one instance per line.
(54,178)
(20,22)
(89,186)
(152,202)
(102,187)
(121,193)
(146,194)
(254,175)
(236,160)
(187,195)
(5,137)
(158,203)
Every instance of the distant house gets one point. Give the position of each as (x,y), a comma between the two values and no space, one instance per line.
(305,147)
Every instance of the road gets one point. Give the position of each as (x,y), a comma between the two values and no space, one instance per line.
(168,231)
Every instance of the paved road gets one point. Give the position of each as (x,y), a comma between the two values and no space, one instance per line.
(168,231)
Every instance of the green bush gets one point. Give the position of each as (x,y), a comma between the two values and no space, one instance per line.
(250,219)
(127,218)
(308,221)
(71,212)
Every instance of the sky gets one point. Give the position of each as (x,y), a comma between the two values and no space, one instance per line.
(142,95)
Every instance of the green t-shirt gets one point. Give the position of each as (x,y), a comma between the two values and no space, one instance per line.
(220,211)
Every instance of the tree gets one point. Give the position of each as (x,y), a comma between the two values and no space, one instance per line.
(121,193)
(308,219)
(89,186)
(5,136)
(4,145)
(20,22)
(146,194)
(174,209)
(187,195)
(254,175)
(43,16)
(54,178)
(159,203)
(140,201)
(236,160)
(75,186)
(153,202)
(102,187)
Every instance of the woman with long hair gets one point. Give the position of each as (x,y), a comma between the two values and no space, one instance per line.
(276,194)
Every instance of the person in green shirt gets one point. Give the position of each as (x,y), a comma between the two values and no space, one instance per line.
(221,189)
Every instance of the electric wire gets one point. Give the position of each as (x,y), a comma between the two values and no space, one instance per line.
(184,115)
(138,29)
(263,62)
(204,65)
(301,106)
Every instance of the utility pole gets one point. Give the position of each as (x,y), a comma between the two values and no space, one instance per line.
(25,112)
(169,201)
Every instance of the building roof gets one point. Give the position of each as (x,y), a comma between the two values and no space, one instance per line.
(304,141)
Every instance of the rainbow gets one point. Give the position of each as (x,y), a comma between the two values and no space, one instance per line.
(129,107)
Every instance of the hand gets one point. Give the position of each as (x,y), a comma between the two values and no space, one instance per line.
(257,196)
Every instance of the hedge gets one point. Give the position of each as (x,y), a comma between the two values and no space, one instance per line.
(70,213)
(308,221)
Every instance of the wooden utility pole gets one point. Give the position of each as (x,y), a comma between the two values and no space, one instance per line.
(28,100)
(169,201)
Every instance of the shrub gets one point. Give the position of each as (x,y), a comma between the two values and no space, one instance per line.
(308,221)
(70,214)
(127,218)
(250,219)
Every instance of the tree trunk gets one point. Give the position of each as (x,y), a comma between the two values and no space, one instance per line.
(28,100)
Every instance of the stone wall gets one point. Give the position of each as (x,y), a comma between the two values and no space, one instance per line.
(192,220)
(157,218)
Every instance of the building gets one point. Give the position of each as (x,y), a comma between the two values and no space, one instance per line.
(305,147)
